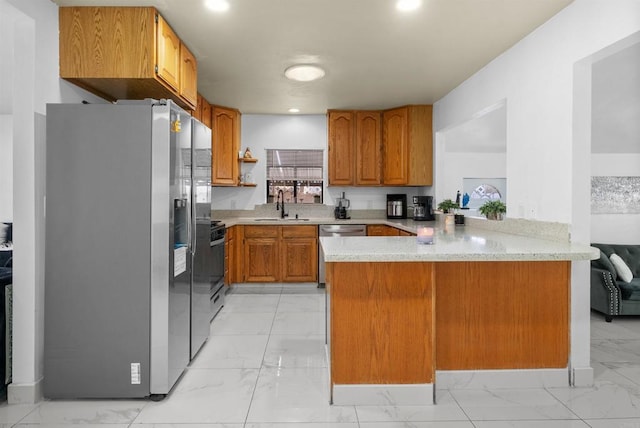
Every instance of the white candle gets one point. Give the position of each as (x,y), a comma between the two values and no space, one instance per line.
(425,235)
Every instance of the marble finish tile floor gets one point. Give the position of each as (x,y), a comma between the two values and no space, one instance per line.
(265,366)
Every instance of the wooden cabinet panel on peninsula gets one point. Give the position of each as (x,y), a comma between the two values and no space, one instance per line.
(354,148)
(225,144)
(126,53)
(407,146)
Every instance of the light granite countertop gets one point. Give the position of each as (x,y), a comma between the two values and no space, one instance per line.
(404,224)
(453,244)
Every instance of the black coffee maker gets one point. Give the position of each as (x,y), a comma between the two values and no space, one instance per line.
(396,205)
(423,208)
(342,204)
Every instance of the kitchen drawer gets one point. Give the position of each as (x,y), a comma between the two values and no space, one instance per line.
(261,231)
(299,231)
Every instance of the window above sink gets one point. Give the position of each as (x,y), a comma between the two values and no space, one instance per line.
(298,173)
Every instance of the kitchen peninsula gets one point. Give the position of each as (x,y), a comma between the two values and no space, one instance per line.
(402,315)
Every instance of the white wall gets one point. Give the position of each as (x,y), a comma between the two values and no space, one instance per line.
(535,77)
(261,132)
(30,54)
(615,228)
(473,149)
(6,167)
(545,81)
(456,166)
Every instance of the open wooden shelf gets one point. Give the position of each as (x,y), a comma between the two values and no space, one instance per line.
(248,184)
(248,160)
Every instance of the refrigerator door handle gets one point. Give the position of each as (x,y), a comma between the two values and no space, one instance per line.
(192,220)
(189,228)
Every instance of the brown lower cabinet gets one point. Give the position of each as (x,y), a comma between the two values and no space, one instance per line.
(276,254)
(233,255)
(384,230)
(381,230)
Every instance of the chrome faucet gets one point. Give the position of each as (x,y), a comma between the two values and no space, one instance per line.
(280,204)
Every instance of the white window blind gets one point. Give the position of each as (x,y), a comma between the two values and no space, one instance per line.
(294,165)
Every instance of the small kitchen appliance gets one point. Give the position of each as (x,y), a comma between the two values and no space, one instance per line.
(397,205)
(423,208)
(342,204)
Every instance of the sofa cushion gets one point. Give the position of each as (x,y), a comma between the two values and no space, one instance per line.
(5,233)
(630,290)
(604,263)
(629,253)
(623,271)
(5,258)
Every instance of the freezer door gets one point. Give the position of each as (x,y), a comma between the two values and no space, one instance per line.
(171,249)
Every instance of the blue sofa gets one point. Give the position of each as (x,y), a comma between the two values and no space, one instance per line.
(6,268)
(609,294)
(6,254)
(6,279)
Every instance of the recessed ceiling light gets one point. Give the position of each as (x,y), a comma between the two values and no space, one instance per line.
(408,5)
(217,5)
(294,110)
(304,72)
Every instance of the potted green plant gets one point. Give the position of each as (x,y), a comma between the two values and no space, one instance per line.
(447,206)
(493,210)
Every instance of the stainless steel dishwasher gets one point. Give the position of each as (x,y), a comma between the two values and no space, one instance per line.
(336,230)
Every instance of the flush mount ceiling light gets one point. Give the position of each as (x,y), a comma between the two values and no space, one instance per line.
(408,5)
(294,110)
(304,72)
(217,5)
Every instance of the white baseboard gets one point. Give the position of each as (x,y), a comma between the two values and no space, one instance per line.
(582,377)
(496,379)
(24,393)
(383,395)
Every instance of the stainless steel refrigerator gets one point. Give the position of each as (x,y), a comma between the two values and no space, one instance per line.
(123,314)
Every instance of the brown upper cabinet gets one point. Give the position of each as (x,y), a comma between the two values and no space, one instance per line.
(373,148)
(368,148)
(206,113)
(203,111)
(126,53)
(341,148)
(225,144)
(188,75)
(168,54)
(407,146)
(354,148)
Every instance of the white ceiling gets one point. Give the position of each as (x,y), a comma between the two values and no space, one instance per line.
(375,57)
